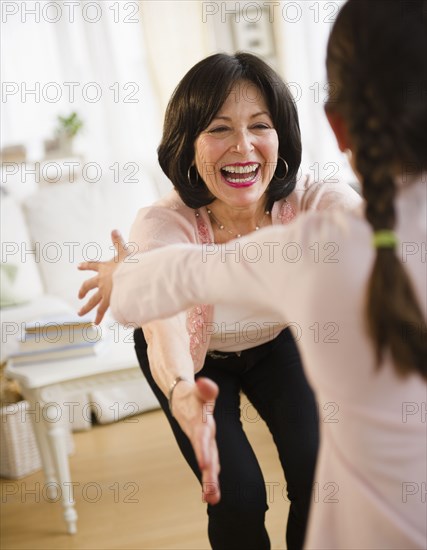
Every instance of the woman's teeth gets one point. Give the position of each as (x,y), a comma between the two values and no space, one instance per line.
(240,174)
(241,169)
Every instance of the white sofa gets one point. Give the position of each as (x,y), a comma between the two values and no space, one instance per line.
(46,230)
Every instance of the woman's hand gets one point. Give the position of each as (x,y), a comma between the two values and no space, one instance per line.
(103,281)
(193,407)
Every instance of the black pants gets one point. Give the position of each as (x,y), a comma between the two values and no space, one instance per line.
(272,378)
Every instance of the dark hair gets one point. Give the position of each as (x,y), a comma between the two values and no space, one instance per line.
(377,68)
(195,102)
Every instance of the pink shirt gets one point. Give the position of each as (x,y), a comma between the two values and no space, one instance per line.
(170,221)
(370,482)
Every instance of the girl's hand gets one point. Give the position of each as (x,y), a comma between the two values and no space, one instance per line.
(103,281)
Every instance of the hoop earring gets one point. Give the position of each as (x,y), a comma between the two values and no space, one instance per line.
(349,154)
(286,172)
(189,177)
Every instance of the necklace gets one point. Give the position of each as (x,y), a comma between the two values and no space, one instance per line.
(223,228)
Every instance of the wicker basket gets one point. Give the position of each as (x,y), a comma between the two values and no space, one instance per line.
(19,454)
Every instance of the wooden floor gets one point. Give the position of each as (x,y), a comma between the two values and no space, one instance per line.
(133,490)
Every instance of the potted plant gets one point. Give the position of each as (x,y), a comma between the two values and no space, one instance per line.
(67,128)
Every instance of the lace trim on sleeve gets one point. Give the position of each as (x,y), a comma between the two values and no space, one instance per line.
(198,316)
(287,212)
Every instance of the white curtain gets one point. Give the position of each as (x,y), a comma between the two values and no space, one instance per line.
(136,53)
(302,31)
(176,38)
(88,57)
(292,37)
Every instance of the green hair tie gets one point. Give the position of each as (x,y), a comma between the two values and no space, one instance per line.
(384,238)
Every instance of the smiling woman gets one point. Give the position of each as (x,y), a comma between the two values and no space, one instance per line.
(236,156)
(231,147)
(226,102)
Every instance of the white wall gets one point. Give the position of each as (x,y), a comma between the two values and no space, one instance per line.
(292,37)
(91,60)
(153,44)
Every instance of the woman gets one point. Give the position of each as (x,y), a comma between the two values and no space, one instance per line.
(231,147)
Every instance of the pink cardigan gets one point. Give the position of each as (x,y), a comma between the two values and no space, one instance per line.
(170,221)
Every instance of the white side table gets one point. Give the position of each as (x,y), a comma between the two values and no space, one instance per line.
(45,387)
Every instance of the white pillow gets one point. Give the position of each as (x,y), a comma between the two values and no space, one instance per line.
(16,247)
(8,295)
(19,179)
(72,222)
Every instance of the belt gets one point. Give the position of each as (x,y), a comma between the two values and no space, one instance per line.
(214,354)
(285,334)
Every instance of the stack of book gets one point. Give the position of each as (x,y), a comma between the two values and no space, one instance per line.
(57,338)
